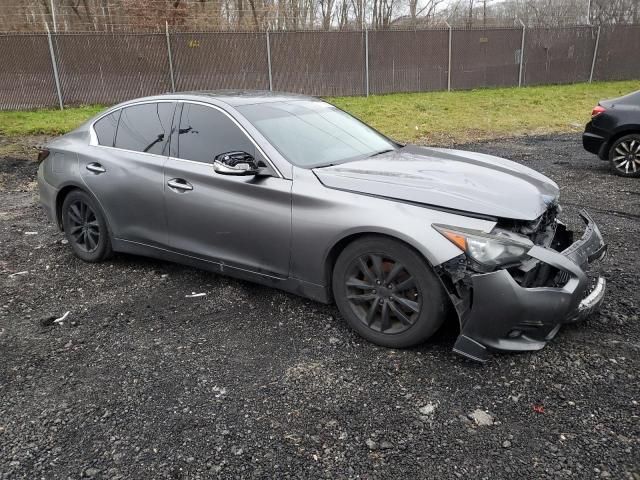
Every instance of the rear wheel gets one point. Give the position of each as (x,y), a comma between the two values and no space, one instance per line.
(387,292)
(85,227)
(624,156)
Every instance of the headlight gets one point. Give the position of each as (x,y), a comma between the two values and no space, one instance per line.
(490,250)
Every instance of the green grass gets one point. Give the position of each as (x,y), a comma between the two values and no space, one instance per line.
(444,117)
(434,117)
(45,121)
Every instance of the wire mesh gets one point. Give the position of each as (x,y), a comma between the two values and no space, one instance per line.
(558,55)
(107,68)
(618,53)
(209,61)
(485,57)
(408,61)
(26,75)
(318,63)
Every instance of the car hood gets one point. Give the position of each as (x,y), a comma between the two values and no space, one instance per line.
(452,179)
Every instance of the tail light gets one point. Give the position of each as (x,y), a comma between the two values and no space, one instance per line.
(597,111)
(42,154)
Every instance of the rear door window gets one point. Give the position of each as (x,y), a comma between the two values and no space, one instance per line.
(206,132)
(145,128)
(105,128)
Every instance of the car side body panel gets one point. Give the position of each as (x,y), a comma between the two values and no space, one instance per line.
(241,221)
(139,215)
(322,217)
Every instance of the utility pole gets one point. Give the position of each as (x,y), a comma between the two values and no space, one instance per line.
(589,13)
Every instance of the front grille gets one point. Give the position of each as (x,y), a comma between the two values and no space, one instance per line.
(537,274)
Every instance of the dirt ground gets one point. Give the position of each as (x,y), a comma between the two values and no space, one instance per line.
(141,381)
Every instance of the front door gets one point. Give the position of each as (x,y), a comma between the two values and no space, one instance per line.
(237,221)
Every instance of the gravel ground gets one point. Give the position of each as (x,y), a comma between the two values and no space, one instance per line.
(140,381)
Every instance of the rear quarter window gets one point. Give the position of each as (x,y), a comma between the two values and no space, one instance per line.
(106,127)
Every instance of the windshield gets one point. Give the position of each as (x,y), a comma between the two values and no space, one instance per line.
(313,134)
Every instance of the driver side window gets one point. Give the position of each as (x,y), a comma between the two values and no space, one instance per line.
(206,132)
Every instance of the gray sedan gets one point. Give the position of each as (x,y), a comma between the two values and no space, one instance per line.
(291,192)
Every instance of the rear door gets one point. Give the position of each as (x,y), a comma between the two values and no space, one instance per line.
(239,221)
(125,170)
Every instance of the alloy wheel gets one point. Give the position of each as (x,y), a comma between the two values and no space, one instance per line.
(383,293)
(84,229)
(626,158)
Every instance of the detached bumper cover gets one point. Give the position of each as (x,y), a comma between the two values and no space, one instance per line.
(505,316)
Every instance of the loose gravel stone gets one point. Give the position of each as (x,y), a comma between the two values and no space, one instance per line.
(371,444)
(428,409)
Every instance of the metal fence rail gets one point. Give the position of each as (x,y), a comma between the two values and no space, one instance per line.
(41,70)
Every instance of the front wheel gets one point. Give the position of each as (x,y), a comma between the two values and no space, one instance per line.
(625,156)
(387,292)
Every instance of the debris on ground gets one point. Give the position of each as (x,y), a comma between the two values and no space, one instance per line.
(481,418)
(428,409)
(24,272)
(62,318)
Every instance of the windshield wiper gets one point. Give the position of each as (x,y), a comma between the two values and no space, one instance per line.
(381,152)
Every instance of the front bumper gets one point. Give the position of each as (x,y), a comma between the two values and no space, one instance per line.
(505,316)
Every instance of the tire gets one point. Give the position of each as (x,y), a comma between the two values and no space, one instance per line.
(624,156)
(85,227)
(410,285)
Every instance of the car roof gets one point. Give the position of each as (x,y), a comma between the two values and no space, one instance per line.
(230,97)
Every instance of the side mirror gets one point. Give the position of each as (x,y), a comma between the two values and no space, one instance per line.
(235,163)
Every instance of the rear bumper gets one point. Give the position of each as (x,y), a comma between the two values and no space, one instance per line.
(506,316)
(594,140)
(48,195)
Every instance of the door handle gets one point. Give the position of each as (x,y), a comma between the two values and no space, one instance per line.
(95,167)
(180,184)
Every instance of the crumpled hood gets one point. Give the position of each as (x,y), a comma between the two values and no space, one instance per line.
(456,179)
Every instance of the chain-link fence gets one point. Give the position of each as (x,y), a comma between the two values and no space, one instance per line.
(26,73)
(558,55)
(408,61)
(41,70)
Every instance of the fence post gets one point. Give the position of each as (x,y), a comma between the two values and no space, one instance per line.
(53,17)
(595,55)
(366,60)
(521,53)
(55,67)
(173,83)
(269,62)
(449,61)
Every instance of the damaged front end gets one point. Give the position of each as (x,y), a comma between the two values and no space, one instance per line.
(538,282)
